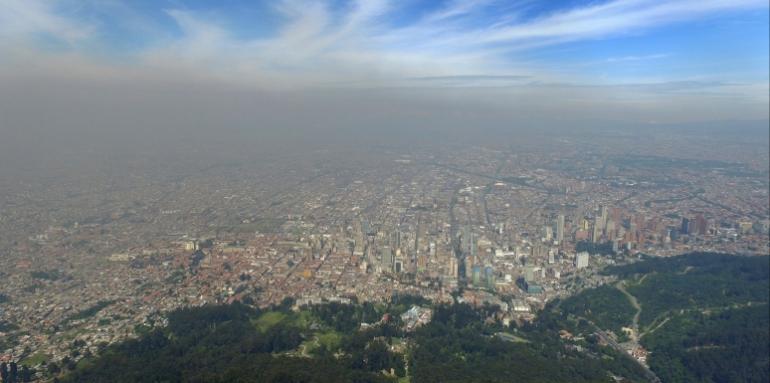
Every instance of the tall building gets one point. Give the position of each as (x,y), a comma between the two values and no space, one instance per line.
(476,275)
(387,259)
(489,277)
(597,232)
(560,228)
(581,260)
(604,213)
(701,225)
(454,270)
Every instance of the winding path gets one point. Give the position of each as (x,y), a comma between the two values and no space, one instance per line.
(635,325)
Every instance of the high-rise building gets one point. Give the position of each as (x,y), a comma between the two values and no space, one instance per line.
(685,229)
(454,270)
(581,260)
(701,225)
(476,275)
(597,232)
(387,259)
(560,228)
(604,213)
(489,277)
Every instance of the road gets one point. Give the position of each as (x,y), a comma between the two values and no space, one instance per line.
(635,324)
(603,336)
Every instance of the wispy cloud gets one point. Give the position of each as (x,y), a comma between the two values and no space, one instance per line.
(323,41)
(637,58)
(362,44)
(320,42)
(21,19)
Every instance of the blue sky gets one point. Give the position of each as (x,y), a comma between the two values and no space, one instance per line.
(630,50)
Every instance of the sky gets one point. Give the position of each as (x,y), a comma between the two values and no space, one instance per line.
(115,65)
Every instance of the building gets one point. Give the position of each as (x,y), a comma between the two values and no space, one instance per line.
(489,277)
(596,234)
(520,306)
(387,259)
(581,260)
(603,216)
(532,287)
(701,225)
(416,317)
(476,275)
(560,228)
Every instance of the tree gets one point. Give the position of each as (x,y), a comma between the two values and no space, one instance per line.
(54,368)
(26,374)
(4,372)
(13,374)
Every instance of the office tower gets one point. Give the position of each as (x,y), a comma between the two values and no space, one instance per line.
(581,261)
(489,277)
(701,225)
(476,275)
(453,267)
(597,232)
(604,215)
(387,259)
(560,228)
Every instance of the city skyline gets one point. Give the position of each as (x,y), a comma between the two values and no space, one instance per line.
(384,191)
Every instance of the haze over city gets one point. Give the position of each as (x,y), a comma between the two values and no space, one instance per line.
(396,191)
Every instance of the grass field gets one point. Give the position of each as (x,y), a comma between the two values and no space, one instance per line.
(330,339)
(35,359)
(269,319)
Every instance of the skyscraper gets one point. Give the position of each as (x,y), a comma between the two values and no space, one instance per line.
(604,213)
(560,228)
(701,225)
(581,260)
(387,259)
(476,275)
(597,232)
(489,277)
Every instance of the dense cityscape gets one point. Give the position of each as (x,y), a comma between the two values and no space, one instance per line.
(378,191)
(504,226)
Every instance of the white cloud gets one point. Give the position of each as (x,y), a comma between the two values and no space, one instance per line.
(356,46)
(637,58)
(321,43)
(615,17)
(21,19)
